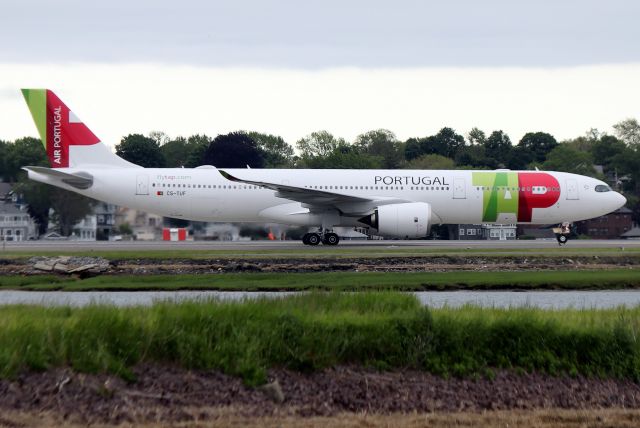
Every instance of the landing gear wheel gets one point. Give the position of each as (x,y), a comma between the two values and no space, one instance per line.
(312,239)
(562,232)
(331,239)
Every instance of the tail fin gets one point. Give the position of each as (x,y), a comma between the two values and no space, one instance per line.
(68,141)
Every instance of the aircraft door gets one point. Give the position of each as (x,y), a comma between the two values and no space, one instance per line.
(459,188)
(142,184)
(572,189)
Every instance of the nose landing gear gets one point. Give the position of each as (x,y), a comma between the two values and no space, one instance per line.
(314,238)
(562,233)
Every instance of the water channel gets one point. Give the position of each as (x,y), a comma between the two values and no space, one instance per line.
(436,299)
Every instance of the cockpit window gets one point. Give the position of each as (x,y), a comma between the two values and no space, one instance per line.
(603,188)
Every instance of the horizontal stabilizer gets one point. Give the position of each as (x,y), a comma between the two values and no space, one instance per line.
(79,180)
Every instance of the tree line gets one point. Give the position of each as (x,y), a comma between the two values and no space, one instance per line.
(614,158)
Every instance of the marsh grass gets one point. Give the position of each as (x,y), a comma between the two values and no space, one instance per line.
(315,331)
(345,281)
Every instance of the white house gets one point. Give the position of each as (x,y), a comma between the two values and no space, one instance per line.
(15,224)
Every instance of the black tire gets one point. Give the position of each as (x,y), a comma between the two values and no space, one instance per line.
(331,239)
(313,239)
(562,239)
(305,238)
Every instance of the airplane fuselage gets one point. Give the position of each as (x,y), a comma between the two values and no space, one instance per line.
(455,196)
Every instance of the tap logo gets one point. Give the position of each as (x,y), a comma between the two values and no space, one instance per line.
(515,193)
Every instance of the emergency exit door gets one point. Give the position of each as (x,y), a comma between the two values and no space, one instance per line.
(459,188)
(142,184)
(572,189)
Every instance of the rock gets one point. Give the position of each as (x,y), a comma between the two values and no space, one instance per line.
(43,266)
(273,391)
(84,268)
(60,267)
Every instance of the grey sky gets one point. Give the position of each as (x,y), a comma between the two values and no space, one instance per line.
(321,34)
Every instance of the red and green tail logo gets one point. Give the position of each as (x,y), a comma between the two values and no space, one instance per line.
(515,193)
(58,127)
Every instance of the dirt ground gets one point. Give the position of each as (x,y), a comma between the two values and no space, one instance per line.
(342,264)
(232,417)
(351,396)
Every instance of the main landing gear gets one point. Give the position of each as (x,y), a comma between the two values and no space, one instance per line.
(315,238)
(562,233)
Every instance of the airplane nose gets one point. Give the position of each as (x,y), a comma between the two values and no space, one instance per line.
(620,200)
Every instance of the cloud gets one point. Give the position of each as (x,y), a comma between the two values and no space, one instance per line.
(115,100)
(327,34)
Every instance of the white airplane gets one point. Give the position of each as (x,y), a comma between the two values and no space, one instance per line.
(394,203)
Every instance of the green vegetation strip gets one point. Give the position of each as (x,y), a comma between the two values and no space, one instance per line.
(315,331)
(345,281)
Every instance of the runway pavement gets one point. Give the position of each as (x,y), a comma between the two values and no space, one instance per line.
(65,246)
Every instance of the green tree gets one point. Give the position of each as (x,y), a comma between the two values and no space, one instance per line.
(160,137)
(628,131)
(412,148)
(141,150)
(519,158)
(431,161)
(344,156)
(473,156)
(68,209)
(22,152)
(323,151)
(198,145)
(4,149)
(125,229)
(175,152)
(539,144)
(383,144)
(476,137)
(606,149)
(318,144)
(38,199)
(233,150)
(498,148)
(275,151)
(567,159)
(445,143)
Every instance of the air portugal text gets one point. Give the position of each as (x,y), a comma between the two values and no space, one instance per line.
(390,180)
(57,135)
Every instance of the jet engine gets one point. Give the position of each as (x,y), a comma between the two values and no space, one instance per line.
(406,220)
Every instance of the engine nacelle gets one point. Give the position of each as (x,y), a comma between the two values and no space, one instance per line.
(407,220)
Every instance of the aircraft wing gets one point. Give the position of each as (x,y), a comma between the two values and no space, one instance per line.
(320,200)
(301,194)
(79,180)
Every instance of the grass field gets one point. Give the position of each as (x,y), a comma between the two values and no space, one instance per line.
(313,331)
(343,281)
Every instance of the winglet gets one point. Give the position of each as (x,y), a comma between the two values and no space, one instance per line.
(228,176)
